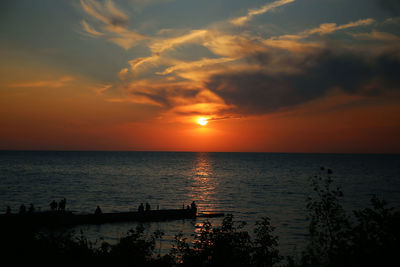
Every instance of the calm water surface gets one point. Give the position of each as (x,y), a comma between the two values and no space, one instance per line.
(248,185)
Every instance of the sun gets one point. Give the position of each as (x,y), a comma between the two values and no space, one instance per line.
(202,121)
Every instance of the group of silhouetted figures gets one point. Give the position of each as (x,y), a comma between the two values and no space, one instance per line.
(58,207)
(147,207)
(141,207)
(54,206)
(193,206)
(22,209)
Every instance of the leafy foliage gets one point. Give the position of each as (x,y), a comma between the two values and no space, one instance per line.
(369,238)
(329,224)
(229,245)
(265,245)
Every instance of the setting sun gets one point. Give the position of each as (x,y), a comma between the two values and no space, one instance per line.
(202,121)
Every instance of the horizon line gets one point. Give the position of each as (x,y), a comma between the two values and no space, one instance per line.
(192,151)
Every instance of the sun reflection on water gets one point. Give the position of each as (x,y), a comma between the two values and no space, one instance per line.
(204,183)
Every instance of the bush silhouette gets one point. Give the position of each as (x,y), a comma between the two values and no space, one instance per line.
(368,238)
(228,245)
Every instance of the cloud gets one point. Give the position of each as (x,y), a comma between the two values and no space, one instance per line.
(150,1)
(100,88)
(157,92)
(233,46)
(195,36)
(323,29)
(113,22)
(250,75)
(239,73)
(204,62)
(90,30)
(293,42)
(203,103)
(327,28)
(260,92)
(107,14)
(63,81)
(136,99)
(240,21)
(379,36)
(395,20)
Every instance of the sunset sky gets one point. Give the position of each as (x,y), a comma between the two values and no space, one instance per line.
(262,75)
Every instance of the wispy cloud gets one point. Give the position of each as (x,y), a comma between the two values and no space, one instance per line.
(107,13)
(90,30)
(113,22)
(327,28)
(63,81)
(375,35)
(159,46)
(205,62)
(101,88)
(293,42)
(255,12)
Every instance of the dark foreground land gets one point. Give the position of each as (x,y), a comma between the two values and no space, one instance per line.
(68,219)
(368,237)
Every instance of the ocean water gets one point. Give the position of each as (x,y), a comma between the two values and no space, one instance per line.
(248,185)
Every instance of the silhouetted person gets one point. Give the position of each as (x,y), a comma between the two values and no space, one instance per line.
(22,209)
(8,210)
(193,206)
(147,206)
(31,208)
(141,207)
(53,205)
(61,205)
(187,207)
(158,207)
(98,211)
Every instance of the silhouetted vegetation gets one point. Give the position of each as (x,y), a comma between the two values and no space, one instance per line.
(367,237)
(228,245)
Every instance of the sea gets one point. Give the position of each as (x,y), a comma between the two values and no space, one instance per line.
(247,185)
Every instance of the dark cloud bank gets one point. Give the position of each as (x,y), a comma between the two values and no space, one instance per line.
(261,92)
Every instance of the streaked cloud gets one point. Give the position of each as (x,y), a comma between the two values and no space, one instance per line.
(159,46)
(394,20)
(205,62)
(90,30)
(327,28)
(113,23)
(101,88)
(375,35)
(108,14)
(63,81)
(240,21)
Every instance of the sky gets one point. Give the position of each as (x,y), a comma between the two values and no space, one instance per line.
(308,76)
